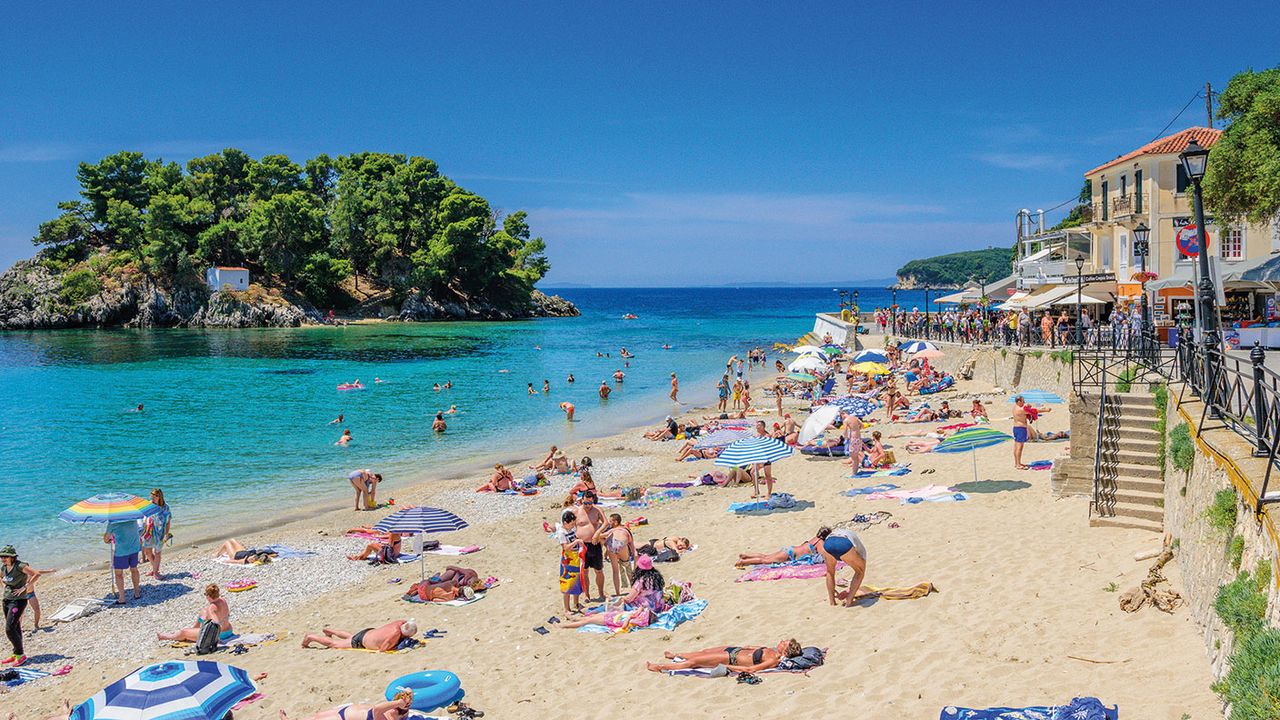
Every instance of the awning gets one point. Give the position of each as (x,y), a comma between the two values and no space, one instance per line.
(971,294)
(1252,274)
(1014,302)
(966,295)
(1037,255)
(1046,295)
(1070,299)
(1182,276)
(1268,270)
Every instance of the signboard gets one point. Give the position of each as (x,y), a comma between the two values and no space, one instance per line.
(1181,222)
(1188,241)
(1095,277)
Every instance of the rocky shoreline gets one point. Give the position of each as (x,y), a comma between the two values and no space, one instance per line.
(34,298)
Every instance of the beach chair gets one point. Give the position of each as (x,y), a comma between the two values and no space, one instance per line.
(76,609)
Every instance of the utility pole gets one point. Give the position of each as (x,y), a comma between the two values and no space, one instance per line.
(1208,103)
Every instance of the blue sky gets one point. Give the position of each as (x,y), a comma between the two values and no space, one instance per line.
(652,144)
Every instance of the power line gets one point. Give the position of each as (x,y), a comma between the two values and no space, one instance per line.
(1195,97)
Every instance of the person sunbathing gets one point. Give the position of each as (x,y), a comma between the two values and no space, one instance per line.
(736,415)
(382,639)
(690,450)
(217,611)
(665,549)
(666,432)
(547,462)
(979,411)
(786,554)
(876,454)
(233,552)
(636,608)
(500,481)
(394,709)
(1050,436)
(737,658)
(924,415)
(389,549)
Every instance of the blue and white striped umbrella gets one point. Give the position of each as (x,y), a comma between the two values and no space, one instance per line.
(411,521)
(723,436)
(915,346)
(177,690)
(871,355)
(752,450)
(854,405)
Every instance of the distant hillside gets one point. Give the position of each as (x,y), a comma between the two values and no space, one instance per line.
(956,269)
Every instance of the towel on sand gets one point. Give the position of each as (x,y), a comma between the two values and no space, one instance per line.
(1081,708)
(26,674)
(413,598)
(913,592)
(990,486)
(668,620)
(882,487)
(895,471)
(455,550)
(284,552)
(246,639)
(786,571)
(928,493)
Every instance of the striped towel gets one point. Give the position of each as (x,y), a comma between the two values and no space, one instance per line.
(26,674)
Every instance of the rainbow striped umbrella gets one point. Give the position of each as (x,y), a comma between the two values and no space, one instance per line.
(109,508)
(971,439)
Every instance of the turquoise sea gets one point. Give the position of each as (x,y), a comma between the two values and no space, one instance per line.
(235,425)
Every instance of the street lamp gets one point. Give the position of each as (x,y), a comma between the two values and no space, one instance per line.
(926,312)
(1079,292)
(894,309)
(1141,248)
(857,318)
(1194,160)
(982,295)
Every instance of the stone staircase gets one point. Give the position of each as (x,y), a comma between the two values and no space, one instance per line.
(1131,486)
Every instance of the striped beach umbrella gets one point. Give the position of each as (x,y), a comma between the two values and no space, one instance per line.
(833,350)
(802,377)
(871,355)
(723,437)
(807,363)
(809,350)
(109,508)
(752,450)
(912,346)
(855,405)
(177,690)
(415,520)
(971,439)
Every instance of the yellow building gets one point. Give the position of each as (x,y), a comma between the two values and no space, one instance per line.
(1149,186)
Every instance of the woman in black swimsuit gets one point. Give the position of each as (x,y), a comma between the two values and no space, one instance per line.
(736,658)
(393,709)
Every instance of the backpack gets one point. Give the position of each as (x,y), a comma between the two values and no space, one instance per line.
(207,642)
(781,500)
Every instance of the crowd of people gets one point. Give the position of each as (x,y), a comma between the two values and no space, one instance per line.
(1023,327)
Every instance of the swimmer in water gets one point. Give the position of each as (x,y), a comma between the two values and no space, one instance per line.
(537,347)
(453,410)
(137,409)
(345,439)
(666,347)
(436,387)
(504,370)
(569,379)
(531,390)
(377,380)
(438,424)
(546,386)
(567,407)
(337,420)
(599,354)
(448,384)
(605,390)
(618,375)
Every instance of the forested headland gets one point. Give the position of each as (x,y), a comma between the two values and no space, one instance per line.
(955,270)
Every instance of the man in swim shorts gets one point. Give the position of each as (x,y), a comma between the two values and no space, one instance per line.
(381,639)
(605,390)
(1020,431)
(567,407)
(590,521)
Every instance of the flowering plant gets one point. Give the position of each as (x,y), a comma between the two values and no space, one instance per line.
(1145,276)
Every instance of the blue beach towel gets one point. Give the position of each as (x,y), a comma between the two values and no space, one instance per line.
(954,497)
(754,506)
(668,620)
(1081,708)
(26,674)
(882,487)
(882,472)
(284,551)
(1037,397)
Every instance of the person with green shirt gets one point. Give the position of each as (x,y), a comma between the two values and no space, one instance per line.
(127,543)
(19,586)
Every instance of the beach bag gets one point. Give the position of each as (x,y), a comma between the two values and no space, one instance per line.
(707,480)
(207,642)
(429,545)
(809,658)
(780,501)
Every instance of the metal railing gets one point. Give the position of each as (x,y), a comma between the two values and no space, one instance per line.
(1131,204)
(1100,497)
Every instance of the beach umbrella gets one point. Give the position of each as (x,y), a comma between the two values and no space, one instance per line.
(817,422)
(802,377)
(855,405)
(808,362)
(915,346)
(869,368)
(176,690)
(930,354)
(871,355)
(724,436)
(969,440)
(833,349)
(802,349)
(109,508)
(420,521)
(752,450)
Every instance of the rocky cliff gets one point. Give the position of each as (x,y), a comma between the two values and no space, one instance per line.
(426,307)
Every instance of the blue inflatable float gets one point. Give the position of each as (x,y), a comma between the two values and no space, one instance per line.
(431,688)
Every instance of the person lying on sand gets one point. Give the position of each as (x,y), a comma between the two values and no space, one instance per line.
(382,639)
(216,611)
(689,450)
(394,709)
(390,548)
(664,548)
(234,552)
(745,658)
(786,554)
(500,481)
(448,585)
(736,415)
(62,714)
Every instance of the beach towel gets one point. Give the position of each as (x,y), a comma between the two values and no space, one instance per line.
(1081,708)
(896,471)
(673,485)
(248,701)
(668,620)
(247,640)
(785,571)
(455,550)
(761,507)
(1041,465)
(26,675)
(402,558)
(570,571)
(652,499)
(957,426)
(990,486)
(913,592)
(1037,397)
(459,602)
(284,552)
(928,493)
(882,487)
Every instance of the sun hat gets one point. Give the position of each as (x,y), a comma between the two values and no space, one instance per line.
(8,551)
(645,562)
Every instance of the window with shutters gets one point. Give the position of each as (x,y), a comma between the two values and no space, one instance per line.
(1137,190)
(1233,244)
(1183,181)
(1105,200)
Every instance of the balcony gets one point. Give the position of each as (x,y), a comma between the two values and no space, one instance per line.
(1126,205)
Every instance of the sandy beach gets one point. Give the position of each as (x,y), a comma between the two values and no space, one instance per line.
(1026,611)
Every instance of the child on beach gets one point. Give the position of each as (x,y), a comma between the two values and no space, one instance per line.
(570,562)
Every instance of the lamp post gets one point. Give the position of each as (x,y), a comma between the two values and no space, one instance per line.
(926,312)
(982,310)
(1079,292)
(1194,160)
(857,317)
(893,311)
(1141,248)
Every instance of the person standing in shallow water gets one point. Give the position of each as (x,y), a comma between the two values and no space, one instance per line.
(605,390)
(675,388)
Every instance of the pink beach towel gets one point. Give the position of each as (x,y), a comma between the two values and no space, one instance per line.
(762,573)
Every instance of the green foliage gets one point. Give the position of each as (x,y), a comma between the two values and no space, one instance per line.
(1181,447)
(1222,513)
(1124,379)
(959,268)
(1111,587)
(1161,393)
(390,217)
(1235,552)
(1036,353)
(1252,682)
(1066,357)
(1243,176)
(79,285)
(1081,213)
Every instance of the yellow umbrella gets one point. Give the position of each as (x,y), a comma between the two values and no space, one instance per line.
(870,368)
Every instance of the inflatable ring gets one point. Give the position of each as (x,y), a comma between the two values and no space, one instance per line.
(241,585)
(431,688)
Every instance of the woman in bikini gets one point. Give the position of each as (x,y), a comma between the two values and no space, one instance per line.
(394,709)
(217,611)
(786,554)
(620,549)
(233,552)
(392,544)
(501,480)
(689,450)
(737,658)
(366,484)
(876,455)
